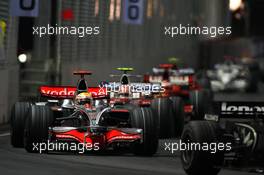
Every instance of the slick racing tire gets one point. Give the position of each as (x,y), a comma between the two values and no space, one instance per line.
(142,117)
(197,162)
(36,130)
(202,103)
(162,108)
(178,115)
(18,117)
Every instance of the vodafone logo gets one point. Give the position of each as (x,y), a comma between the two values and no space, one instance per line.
(68,92)
(56,91)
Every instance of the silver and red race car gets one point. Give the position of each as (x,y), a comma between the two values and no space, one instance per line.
(233,76)
(73,116)
(183,99)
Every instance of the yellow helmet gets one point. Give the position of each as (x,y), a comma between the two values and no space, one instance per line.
(84,98)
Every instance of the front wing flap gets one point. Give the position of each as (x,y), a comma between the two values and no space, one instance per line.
(104,136)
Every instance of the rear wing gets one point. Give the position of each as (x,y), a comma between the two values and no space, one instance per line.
(233,109)
(68,92)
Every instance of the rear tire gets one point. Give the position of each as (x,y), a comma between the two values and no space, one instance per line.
(178,114)
(162,108)
(197,162)
(18,118)
(202,103)
(36,131)
(142,117)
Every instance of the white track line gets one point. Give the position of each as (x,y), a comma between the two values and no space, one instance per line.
(5,134)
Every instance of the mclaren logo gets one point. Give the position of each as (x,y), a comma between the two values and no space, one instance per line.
(241,109)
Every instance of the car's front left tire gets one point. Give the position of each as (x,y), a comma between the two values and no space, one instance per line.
(18,117)
(37,124)
(163,112)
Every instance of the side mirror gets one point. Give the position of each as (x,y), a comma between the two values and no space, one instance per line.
(68,104)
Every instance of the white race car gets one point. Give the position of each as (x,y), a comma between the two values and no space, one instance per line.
(230,76)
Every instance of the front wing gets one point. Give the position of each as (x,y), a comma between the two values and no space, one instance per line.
(102,136)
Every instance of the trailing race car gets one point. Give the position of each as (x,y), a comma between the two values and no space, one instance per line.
(82,115)
(234,137)
(184,98)
(233,76)
(149,94)
(131,92)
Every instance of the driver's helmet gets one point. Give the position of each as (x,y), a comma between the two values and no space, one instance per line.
(84,98)
(124,90)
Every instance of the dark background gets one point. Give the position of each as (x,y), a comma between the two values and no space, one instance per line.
(51,60)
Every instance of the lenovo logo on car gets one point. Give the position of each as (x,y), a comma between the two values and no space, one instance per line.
(241,109)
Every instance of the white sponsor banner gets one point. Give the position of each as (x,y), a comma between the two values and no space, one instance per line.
(133,11)
(29,8)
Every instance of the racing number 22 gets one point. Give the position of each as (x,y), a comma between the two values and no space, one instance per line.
(133,10)
(27,6)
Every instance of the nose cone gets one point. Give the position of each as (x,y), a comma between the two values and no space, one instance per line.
(67,103)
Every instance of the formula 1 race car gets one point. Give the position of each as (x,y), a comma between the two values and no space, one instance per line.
(234,137)
(233,76)
(82,115)
(127,91)
(184,98)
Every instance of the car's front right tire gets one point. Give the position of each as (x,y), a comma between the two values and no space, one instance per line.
(163,112)
(142,117)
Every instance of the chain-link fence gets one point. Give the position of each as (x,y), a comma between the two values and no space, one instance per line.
(8,67)
(119,44)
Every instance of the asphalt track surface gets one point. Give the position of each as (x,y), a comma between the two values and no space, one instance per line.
(18,161)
